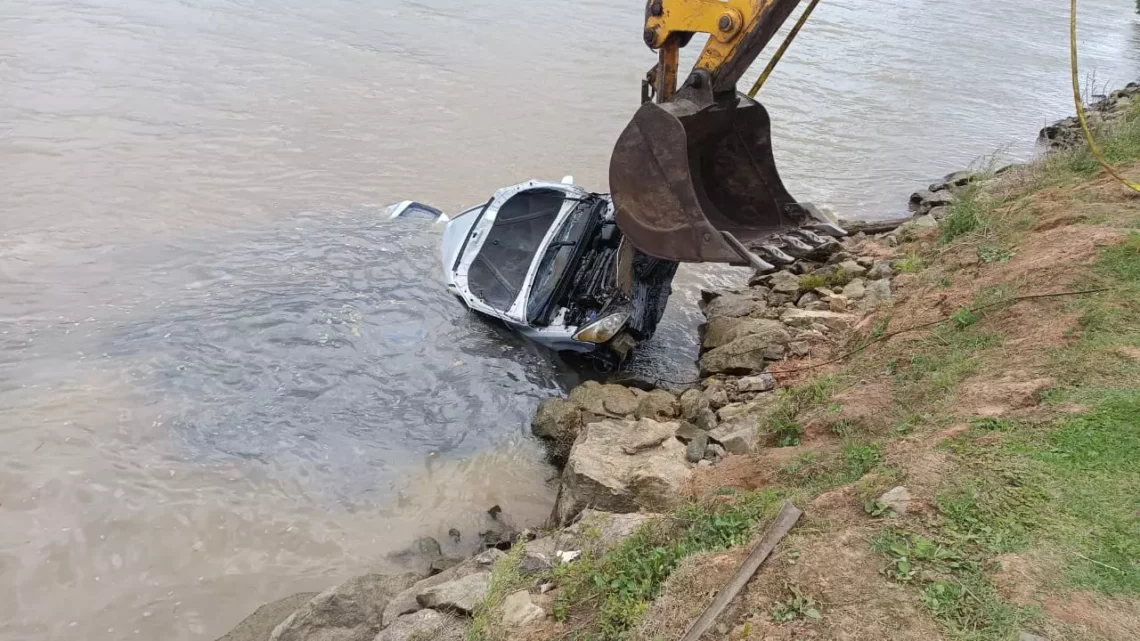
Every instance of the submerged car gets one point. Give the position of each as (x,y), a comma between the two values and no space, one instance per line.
(548,259)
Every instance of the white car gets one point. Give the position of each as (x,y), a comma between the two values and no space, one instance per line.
(547,259)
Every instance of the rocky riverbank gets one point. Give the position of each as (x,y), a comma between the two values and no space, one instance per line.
(803,397)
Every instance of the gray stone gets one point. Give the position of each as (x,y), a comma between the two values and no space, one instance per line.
(785,282)
(878,292)
(695,451)
(424,625)
(891,240)
(780,299)
(658,404)
(898,499)
(706,419)
(745,355)
(647,434)
(428,548)
(443,563)
(519,610)
(837,303)
(735,305)
(855,290)
(799,349)
(687,432)
(259,625)
(557,423)
(880,269)
(807,299)
(405,602)
(704,463)
(596,532)
(758,383)
(919,197)
(351,611)
(803,318)
(715,452)
(461,595)
(722,331)
(692,402)
(937,213)
(852,268)
(599,474)
(735,438)
(604,400)
(533,562)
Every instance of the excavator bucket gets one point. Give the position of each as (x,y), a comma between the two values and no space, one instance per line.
(697,183)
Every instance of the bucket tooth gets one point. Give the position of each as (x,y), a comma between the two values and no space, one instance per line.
(775,254)
(827,229)
(793,245)
(807,236)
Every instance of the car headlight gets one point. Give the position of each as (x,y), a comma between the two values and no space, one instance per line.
(602,329)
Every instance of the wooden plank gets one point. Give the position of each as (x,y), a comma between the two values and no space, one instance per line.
(787,517)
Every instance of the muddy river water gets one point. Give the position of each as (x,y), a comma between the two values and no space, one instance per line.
(223,378)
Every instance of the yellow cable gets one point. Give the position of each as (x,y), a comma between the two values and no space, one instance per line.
(1080,107)
(780,52)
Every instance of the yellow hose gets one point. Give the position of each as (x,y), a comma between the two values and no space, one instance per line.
(1080,107)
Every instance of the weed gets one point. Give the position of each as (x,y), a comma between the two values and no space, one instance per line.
(858,459)
(963,318)
(812,281)
(963,215)
(877,508)
(988,253)
(945,282)
(880,327)
(784,425)
(911,264)
(796,606)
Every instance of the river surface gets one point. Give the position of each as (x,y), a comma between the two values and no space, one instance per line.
(224,378)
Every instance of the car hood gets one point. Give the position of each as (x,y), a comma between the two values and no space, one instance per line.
(455,234)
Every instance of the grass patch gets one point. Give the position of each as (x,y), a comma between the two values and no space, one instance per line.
(606,596)
(812,281)
(937,364)
(505,580)
(784,424)
(912,263)
(963,215)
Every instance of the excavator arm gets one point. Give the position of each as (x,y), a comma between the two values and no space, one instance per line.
(692,175)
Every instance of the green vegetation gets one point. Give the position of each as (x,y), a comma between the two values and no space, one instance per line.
(796,606)
(606,595)
(812,281)
(784,426)
(912,263)
(1062,488)
(505,579)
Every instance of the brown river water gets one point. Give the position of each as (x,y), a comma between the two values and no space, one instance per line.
(223,378)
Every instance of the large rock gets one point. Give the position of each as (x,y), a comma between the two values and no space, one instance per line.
(732,305)
(759,383)
(878,292)
(692,402)
(722,331)
(259,625)
(601,475)
(406,602)
(805,318)
(604,400)
(745,355)
(460,596)
(658,404)
(880,269)
(424,625)
(520,611)
(855,290)
(557,422)
(351,611)
(785,282)
(595,531)
(736,438)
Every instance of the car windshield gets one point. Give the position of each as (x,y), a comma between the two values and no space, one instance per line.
(498,272)
(557,259)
